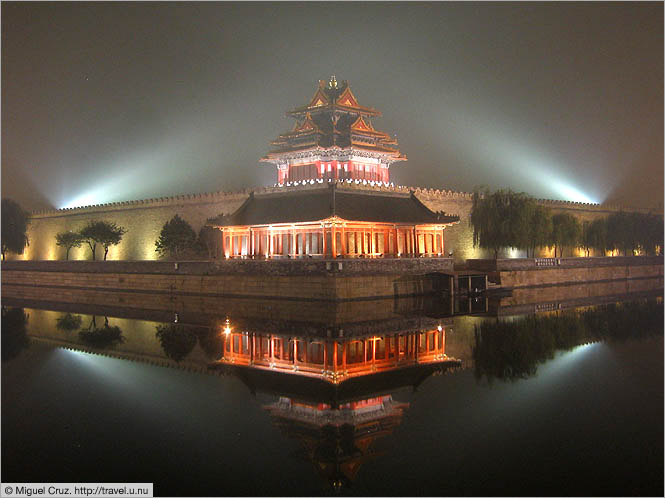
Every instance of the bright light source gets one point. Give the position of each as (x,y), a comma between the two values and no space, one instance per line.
(87,199)
(571,193)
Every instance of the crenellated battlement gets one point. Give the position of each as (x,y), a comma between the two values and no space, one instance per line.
(184,199)
(221,196)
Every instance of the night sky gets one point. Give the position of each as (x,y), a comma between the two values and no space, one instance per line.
(104,102)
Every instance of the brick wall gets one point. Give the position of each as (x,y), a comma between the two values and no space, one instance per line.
(284,267)
(280,279)
(551,263)
(145,218)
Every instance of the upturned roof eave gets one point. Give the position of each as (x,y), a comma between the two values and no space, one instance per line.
(335,219)
(276,154)
(366,111)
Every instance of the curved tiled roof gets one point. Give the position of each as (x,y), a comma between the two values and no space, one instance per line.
(298,206)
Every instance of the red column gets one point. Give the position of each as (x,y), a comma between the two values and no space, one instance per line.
(333,241)
(334,359)
(344,248)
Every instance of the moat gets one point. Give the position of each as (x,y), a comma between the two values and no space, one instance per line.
(555,391)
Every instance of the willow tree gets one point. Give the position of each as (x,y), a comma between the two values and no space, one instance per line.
(653,234)
(594,235)
(539,229)
(566,232)
(621,232)
(501,219)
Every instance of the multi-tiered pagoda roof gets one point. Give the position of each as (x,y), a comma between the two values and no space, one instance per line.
(333,126)
(333,117)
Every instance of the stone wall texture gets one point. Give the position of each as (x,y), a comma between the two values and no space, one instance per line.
(544,264)
(319,287)
(144,219)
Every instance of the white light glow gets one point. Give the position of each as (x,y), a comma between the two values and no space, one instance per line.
(571,193)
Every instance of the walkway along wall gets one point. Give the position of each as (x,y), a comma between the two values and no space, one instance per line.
(144,220)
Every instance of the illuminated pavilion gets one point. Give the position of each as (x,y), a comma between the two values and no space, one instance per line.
(333,138)
(333,147)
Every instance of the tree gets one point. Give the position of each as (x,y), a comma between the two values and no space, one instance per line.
(207,240)
(68,322)
(177,340)
(585,241)
(653,236)
(14,227)
(101,337)
(566,232)
(176,236)
(104,233)
(501,219)
(68,240)
(595,236)
(620,232)
(14,337)
(540,228)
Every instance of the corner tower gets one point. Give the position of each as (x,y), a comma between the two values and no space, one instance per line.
(333,138)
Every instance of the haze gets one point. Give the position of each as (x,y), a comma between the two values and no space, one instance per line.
(103,102)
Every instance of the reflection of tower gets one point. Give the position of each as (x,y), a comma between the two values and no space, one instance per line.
(335,395)
(335,360)
(338,441)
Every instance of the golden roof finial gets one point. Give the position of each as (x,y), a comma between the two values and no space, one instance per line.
(333,82)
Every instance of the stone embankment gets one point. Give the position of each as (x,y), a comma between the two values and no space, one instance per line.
(317,280)
(515,273)
(324,280)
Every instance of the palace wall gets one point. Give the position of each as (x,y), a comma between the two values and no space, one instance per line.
(144,219)
(459,238)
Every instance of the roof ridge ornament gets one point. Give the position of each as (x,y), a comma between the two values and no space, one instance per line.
(333,82)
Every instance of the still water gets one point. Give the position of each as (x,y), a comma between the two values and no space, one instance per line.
(404,397)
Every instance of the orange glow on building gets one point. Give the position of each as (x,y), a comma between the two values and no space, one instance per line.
(330,222)
(333,139)
(336,359)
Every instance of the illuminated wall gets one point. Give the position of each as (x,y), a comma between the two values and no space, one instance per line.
(144,220)
(459,238)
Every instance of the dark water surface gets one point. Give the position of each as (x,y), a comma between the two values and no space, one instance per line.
(559,403)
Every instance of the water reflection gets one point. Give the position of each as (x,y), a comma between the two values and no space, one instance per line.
(338,441)
(14,332)
(508,349)
(69,322)
(339,379)
(335,359)
(106,336)
(177,341)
